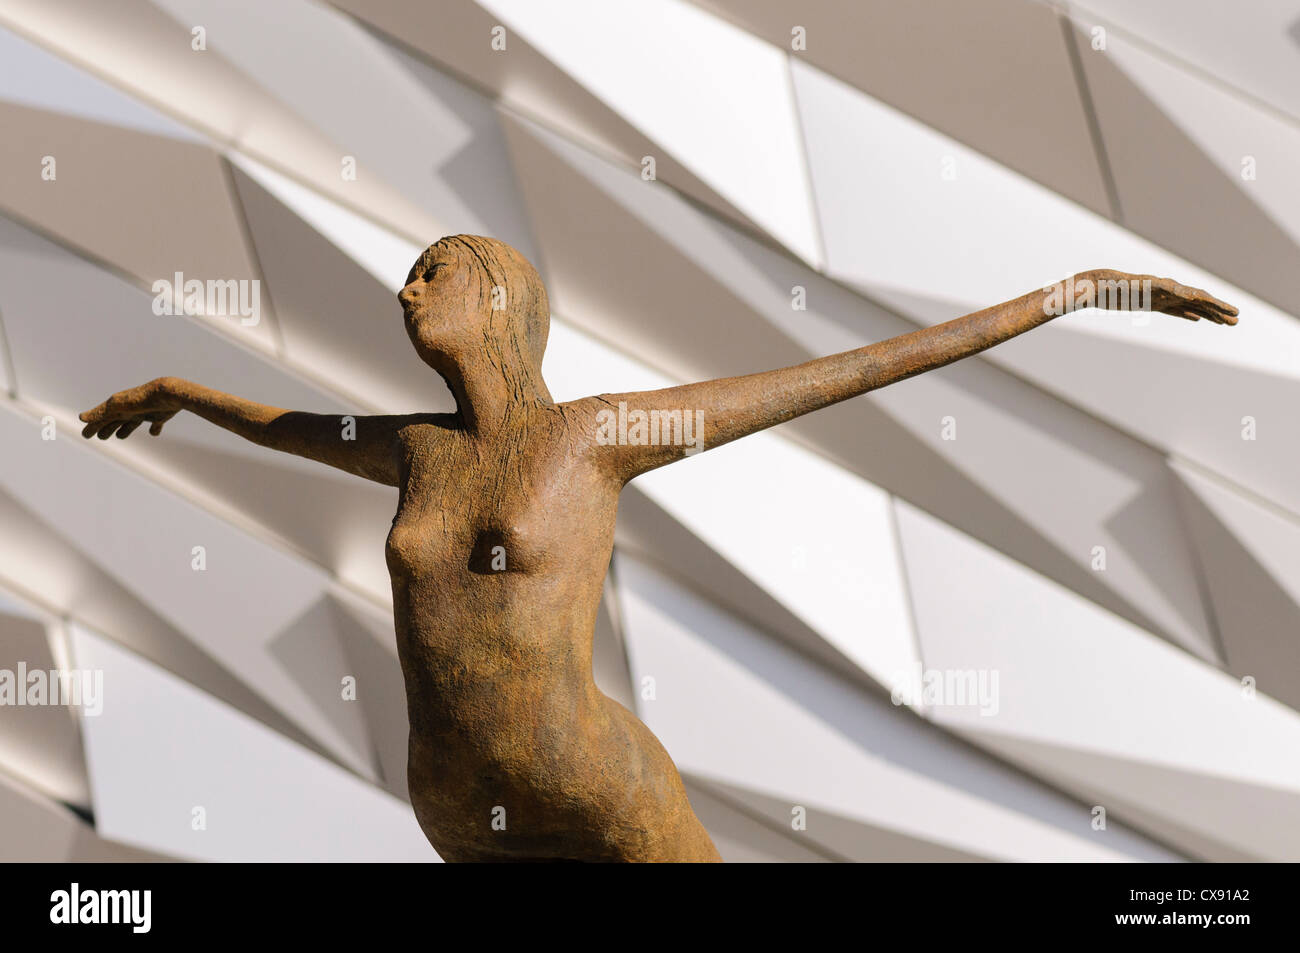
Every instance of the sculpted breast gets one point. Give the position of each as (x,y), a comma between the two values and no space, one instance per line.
(500,546)
(411,545)
(510,548)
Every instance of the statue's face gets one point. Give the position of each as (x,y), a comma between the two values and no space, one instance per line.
(466,291)
(440,301)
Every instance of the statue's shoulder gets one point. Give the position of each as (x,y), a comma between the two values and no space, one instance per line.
(584,410)
(424,430)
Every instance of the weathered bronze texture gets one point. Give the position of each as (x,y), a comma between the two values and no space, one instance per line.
(504,531)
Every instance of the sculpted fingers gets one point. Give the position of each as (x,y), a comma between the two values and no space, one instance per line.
(126,410)
(103,424)
(93,419)
(1210,307)
(1190,303)
(156,423)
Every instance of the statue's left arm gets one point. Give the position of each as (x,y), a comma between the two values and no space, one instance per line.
(362,445)
(729,408)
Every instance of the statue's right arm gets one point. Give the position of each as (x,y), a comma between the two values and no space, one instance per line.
(362,445)
(729,408)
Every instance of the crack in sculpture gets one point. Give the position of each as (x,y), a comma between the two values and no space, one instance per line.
(504,531)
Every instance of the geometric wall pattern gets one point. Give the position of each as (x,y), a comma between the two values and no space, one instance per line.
(1100,519)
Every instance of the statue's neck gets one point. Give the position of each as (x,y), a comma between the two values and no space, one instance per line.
(489,395)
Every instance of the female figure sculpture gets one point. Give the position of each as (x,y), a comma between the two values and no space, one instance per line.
(504,531)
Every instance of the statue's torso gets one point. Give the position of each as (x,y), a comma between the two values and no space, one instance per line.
(497,556)
(494,558)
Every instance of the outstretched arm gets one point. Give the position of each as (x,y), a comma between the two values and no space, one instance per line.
(718,411)
(367,449)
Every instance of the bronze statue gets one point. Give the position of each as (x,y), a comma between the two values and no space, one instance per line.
(504,532)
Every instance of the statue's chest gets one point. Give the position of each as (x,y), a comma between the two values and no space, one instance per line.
(488,546)
(480,526)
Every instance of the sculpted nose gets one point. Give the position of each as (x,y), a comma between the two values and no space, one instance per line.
(406,295)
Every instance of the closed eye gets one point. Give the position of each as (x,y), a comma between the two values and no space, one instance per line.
(433,270)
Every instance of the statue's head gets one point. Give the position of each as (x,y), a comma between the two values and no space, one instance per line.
(471,295)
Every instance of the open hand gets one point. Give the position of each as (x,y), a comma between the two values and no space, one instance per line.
(1165,295)
(154,402)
